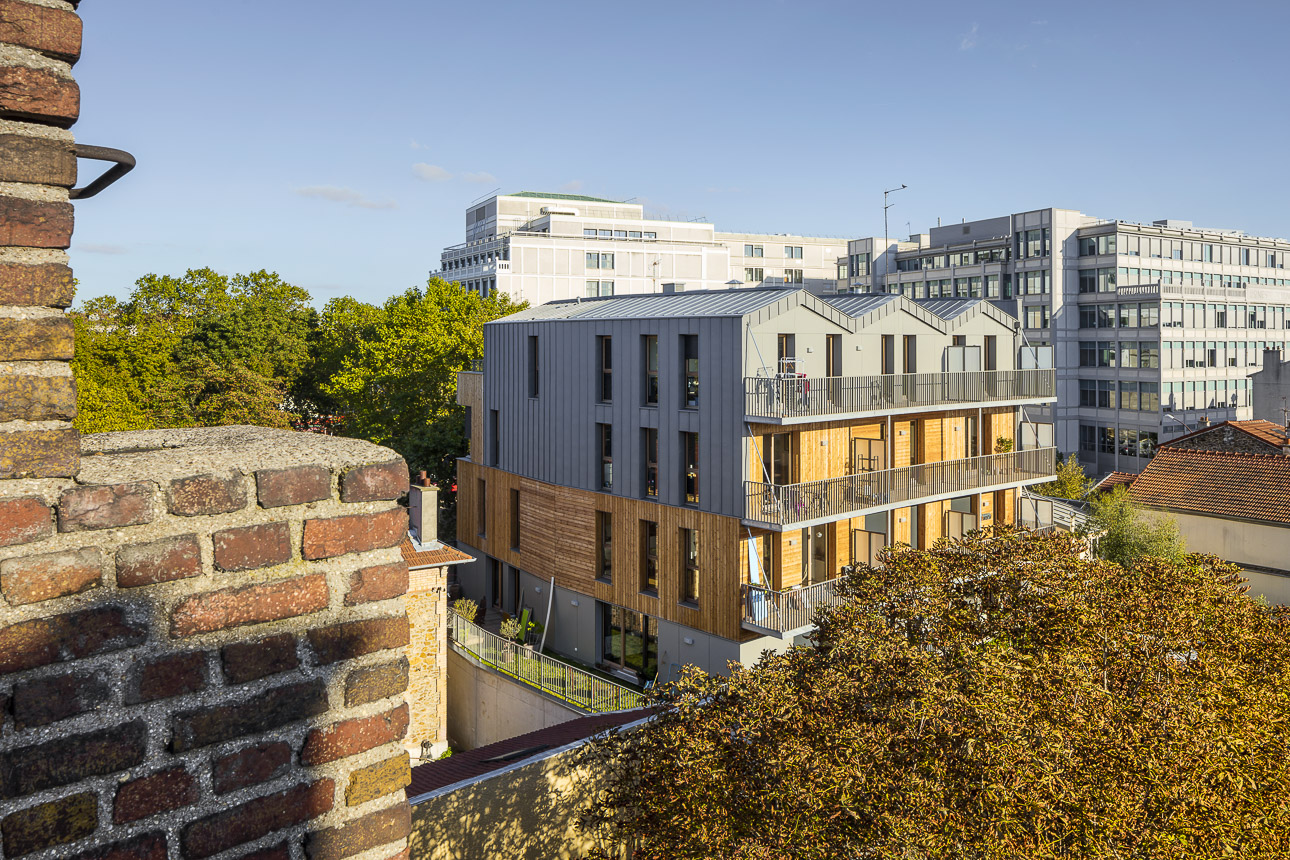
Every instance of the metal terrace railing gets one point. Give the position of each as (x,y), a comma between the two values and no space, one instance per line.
(783,397)
(778,612)
(578,687)
(835,498)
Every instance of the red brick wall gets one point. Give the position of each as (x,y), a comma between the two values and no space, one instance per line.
(203,650)
(39,100)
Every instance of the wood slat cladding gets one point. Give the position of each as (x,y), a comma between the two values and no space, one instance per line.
(558,538)
(470,393)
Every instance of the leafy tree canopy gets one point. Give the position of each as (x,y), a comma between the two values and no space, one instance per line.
(988,698)
(1069,483)
(1127,533)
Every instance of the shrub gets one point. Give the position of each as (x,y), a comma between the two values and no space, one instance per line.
(466,608)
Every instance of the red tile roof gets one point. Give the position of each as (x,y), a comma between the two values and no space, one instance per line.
(1115,479)
(431,557)
(473,763)
(1267,432)
(1217,483)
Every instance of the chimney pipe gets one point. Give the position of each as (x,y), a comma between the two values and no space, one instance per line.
(423,511)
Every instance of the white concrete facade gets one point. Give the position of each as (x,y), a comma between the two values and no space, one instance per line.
(540,248)
(1155,327)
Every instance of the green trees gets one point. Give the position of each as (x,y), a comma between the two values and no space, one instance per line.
(987,698)
(1126,533)
(391,371)
(1069,483)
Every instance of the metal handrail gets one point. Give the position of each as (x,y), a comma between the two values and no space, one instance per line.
(795,397)
(832,498)
(792,609)
(578,687)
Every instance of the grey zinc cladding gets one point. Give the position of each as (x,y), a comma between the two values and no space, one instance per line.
(706,303)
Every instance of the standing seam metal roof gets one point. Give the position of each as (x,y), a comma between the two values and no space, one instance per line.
(701,303)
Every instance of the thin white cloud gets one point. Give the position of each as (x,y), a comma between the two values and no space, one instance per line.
(481,177)
(416,144)
(92,248)
(969,40)
(430,172)
(573,186)
(348,196)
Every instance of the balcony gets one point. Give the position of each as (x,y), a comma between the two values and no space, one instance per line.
(776,613)
(780,506)
(797,400)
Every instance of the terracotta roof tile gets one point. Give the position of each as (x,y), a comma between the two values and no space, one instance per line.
(473,763)
(1266,432)
(1218,483)
(1115,479)
(431,557)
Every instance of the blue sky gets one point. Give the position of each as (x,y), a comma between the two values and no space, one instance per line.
(339,143)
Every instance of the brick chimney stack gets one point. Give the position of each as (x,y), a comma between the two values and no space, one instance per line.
(423,509)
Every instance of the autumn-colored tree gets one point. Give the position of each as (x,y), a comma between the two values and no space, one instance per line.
(999,696)
(1124,532)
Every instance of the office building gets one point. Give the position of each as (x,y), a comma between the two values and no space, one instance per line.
(674,479)
(546,247)
(1154,326)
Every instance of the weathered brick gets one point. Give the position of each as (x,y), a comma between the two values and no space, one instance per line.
(206,495)
(269,710)
(27,93)
(356,638)
(33,578)
(31,224)
(250,547)
(376,682)
(42,641)
(160,561)
(294,486)
(249,604)
(72,758)
(149,846)
(379,779)
(381,582)
(48,700)
(163,678)
(37,398)
(256,818)
(24,519)
(251,766)
(40,339)
(369,831)
(281,851)
(375,482)
(55,823)
(106,506)
(53,32)
(40,453)
(46,285)
(152,795)
(38,160)
(351,737)
(334,536)
(249,661)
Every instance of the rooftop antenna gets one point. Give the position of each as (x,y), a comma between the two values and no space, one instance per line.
(485,196)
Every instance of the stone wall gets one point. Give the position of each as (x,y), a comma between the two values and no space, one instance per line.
(427,603)
(202,650)
(39,100)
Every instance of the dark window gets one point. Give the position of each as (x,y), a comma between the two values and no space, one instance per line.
(690,366)
(787,352)
(649,556)
(467,431)
(777,457)
(604,349)
(651,460)
(494,442)
(650,360)
(533,366)
(515,519)
(690,467)
(606,456)
(689,566)
(605,540)
(481,512)
(629,640)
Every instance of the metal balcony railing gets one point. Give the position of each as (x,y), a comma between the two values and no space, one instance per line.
(780,611)
(800,397)
(578,687)
(835,498)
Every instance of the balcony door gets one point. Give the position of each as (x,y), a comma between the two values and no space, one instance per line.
(815,555)
(777,458)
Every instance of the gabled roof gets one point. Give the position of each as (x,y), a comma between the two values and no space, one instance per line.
(1217,483)
(436,554)
(1113,480)
(475,763)
(1269,433)
(859,304)
(699,303)
(948,308)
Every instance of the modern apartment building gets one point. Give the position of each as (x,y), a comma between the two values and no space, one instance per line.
(676,479)
(1155,327)
(546,247)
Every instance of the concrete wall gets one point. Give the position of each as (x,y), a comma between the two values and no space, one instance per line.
(1243,543)
(529,812)
(485,706)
